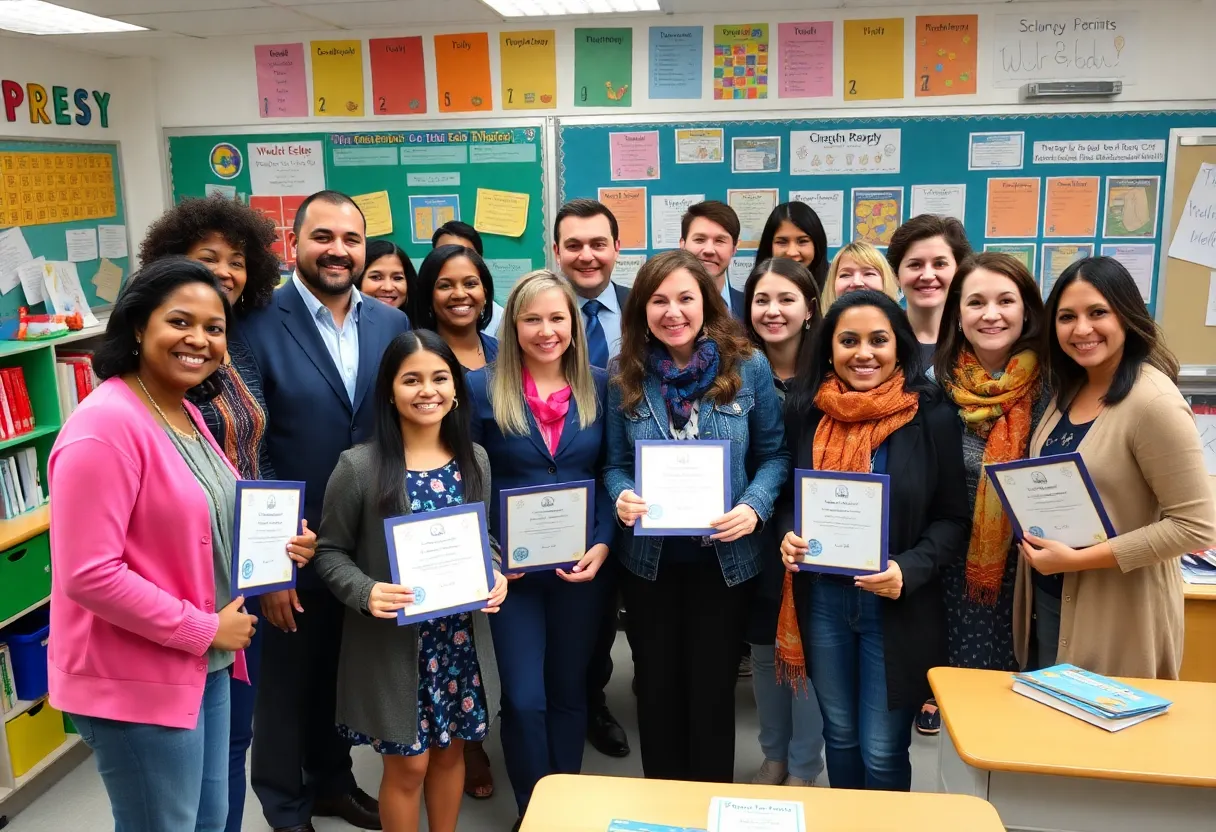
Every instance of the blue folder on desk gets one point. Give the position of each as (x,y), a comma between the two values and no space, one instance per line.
(1097,699)
(642,826)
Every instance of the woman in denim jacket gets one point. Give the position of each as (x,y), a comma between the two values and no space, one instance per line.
(687,371)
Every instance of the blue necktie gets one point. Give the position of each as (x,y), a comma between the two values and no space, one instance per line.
(597,341)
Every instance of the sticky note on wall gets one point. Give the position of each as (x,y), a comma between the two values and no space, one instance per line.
(501,212)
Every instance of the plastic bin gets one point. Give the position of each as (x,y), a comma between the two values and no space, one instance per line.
(34,735)
(27,646)
(25,575)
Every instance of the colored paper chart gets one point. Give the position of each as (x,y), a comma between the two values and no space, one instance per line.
(1057,257)
(529,69)
(1131,206)
(873,59)
(633,156)
(398,76)
(337,78)
(946,54)
(628,205)
(806,59)
(282,86)
(1013,208)
(877,212)
(1071,206)
(675,61)
(1022,251)
(462,72)
(741,61)
(603,67)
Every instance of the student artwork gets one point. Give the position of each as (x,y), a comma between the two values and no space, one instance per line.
(946,54)
(741,62)
(603,67)
(42,188)
(1131,206)
(528,69)
(877,212)
(1059,256)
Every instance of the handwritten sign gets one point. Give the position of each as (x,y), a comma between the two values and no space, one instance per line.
(337,78)
(529,70)
(628,205)
(873,59)
(603,67)
(806,59)
(1065,47)
(462,72)
(946,54)
(286,168)
(1195,239)
(398,76)
(675,61)
(282,87)
(826,152)
(501,212)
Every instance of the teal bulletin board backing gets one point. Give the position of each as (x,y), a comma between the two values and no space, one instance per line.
(934,151)
(50,240)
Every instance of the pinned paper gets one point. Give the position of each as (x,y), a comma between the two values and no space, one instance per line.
(628,205)
(627,268)
(398,76)
(61,284)
(30,275)
(337,78)
(506,272)
(1138,259)
(529,69)
(226,191)
(377,213)
(1013,208)
(1210,317)
(286,168)
(1025,252)
(112,240)
(1057,257)
(108,281)
(741,62)
(633,156)
(462,72)
(501,212)
(946,54)
(942,200)
(1131,206)
(1071,206)
(829,207)
(698,146)
(740,269)
(82,244)
(282,88)
(603,67)
(14,252)
(806,59)
(877,212)
(755,154)
(427,213)
(1195,239)
(873,59)
(752,206)
(675,61)
(666,212)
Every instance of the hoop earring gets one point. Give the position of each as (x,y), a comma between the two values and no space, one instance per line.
(455,402)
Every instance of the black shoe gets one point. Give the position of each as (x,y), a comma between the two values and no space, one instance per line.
(358,808)
(304,827)
(606,734)
(929,723)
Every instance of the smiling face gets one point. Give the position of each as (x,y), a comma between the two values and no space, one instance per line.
(779,310)
(992,315)
(330,248)
(926,271)
(712,245)
(384,280)
(225,262)
(184,340)
(675,312)
(1089,331)
(423,389)
(852,275)
(792,242)
(586,253)
(544,327)
(863,348)
(459,295)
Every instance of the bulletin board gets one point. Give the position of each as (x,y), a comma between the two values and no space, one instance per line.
(427,176)
(50,188)
(1075,156)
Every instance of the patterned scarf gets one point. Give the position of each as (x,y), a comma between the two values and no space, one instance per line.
(683,388)
(998,411)
(854,424)
(550,413)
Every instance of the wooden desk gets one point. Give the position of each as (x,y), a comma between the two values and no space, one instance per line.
(1199,648)
(585,803)
(1045,770)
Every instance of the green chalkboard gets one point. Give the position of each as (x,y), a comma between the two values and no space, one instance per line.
(46,236)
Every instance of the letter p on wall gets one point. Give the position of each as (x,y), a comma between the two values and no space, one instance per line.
(13,95)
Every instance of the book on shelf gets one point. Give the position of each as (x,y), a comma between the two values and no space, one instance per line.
(8,688)
(74,372)
(1099,700)
(20,482)
(16,412)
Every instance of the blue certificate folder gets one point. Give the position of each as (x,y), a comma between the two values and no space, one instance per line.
(1099,700)
(245,566)
(437,519)
(642,826)
(516,561)
(641,531)
(840,485)
(995,468)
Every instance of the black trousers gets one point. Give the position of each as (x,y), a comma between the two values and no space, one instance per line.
(687,631)
(599,669)
(298,754)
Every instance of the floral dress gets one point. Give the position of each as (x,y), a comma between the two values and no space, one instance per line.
(451,699)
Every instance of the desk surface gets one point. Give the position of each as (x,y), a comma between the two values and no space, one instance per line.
(1199,592)
(995,729)
(585,803)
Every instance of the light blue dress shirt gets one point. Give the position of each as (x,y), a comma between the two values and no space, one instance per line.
(726,293)
(610,317)
(341,344)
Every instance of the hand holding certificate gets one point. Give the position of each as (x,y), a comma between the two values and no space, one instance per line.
(546,526)
(268,515)
(685,485)
(1052,498)
(844,520)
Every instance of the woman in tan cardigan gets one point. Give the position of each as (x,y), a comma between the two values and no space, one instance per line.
(1115,607)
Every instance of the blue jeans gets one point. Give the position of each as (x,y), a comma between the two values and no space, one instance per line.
(166,779)
(791,727)
(242,696)
(867,744)
(543,639)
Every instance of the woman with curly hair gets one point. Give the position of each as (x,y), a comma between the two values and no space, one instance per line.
(234,242)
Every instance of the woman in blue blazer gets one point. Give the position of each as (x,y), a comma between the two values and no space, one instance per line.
(539,412)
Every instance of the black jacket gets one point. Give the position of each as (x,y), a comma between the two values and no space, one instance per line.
(930,528)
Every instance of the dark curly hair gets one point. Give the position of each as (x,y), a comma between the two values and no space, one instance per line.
(192,219)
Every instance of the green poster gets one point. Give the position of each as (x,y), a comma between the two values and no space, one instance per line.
(603,67)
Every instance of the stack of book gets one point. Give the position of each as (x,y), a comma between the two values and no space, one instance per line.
(76,379)
(1200,567)
(20,483)
(16,412)
(1099,700)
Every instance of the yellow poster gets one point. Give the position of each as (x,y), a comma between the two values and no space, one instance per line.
(42,188)
(337,78)
(873,59)
(501,212)
(529,70)
(376,211)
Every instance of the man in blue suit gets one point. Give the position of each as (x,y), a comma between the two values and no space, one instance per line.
(710,230)
(318,346)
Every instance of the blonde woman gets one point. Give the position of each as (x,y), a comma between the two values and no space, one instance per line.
(539,413)
(858,266)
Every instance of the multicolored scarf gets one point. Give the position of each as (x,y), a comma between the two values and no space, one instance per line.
(998,411)
(683,388)
(854,424)
(550,413)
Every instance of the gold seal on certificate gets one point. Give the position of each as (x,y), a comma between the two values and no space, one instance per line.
(267,517)
(1052,498)
(545,526)
(844,520)
(686,485)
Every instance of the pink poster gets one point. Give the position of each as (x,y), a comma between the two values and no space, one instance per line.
(282,89)
(634,156)
(805,59)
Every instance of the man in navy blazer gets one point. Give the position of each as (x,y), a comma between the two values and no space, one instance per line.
(318,346)
(710,230)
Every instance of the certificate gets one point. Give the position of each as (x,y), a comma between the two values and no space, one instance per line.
(1052,497)
(267,517)
(727,814)
(546,526)
(443,556)
(685,485)
(845,520)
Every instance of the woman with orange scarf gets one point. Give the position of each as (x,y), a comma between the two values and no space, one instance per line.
(865,405)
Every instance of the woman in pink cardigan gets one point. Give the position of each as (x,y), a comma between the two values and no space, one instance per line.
(144,633)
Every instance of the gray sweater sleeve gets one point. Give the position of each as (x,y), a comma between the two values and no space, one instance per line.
(483,463)
(338,537)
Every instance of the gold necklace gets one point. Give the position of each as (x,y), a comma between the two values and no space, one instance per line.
(172,427)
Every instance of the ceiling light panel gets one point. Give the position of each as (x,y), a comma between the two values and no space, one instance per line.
(564,8)
(34,17)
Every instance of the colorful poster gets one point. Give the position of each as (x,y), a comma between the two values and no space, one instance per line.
(429,212)
(462,72)
(529,69)
(666,212)
(699,146)
(942,200)
(398,76)
(1025,252)
(1071,206)
(806,59)
(501,212)
(877,212)
(337,78)
(377,212)
(946,54)
(826,152)
(873,59)
(741,62)
(1057,257)
(1066,46)
(1195,238)
(603,67)
(282,87)
(829,207)
(1138,259)
(754,154)
(675,61)
(753,206)
(1131,206)
(633,156)
(996,151)
(286,168)
(628,205)
(1012,208)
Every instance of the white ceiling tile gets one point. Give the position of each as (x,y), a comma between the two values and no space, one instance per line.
(110,8)
(253,21)
(356,15)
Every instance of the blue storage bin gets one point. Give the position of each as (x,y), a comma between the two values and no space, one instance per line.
(26,641)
